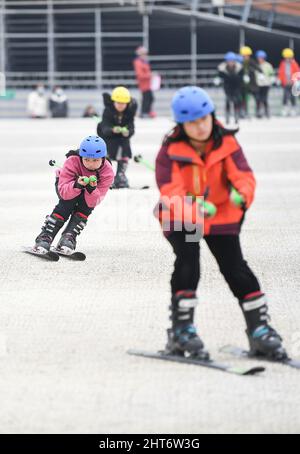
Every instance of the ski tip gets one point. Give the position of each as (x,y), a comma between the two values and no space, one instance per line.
(255,370)
(132,351)
(246,371)
(50,255)
(78,256)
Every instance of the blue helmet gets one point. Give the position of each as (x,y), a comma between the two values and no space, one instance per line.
(93,147)
(230,56)
(261,54)
(239,58)
(190,103)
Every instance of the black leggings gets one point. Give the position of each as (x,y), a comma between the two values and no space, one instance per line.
(227,251)
(288,96)
(147,100)
(66,207)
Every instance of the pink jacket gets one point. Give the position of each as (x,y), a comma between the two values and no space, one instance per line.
(72,169)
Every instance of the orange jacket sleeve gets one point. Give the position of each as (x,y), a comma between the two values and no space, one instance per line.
(240,175)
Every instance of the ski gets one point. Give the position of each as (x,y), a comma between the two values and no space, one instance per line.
(210,363)
(48,255)
(77,256)
(141,188)
(136,188)
(241,353)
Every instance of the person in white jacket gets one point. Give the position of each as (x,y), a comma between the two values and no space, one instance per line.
(37,102)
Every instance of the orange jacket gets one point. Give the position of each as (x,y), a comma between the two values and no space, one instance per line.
(282,72)
(180,171)
(143,73)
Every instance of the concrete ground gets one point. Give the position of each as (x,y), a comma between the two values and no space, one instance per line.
(65,327)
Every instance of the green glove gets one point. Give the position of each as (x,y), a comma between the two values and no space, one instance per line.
(124,131)
(236,198)
(86,179)
(117,129)
(208,209)
(92,179)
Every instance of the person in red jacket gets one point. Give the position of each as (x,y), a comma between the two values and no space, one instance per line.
(288,74)
(204,178)
(144,78)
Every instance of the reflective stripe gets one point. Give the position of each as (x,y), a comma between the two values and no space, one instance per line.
(252,305)
(183,317)
(187,303)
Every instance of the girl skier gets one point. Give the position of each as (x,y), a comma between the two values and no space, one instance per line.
(201,158)
(230,71)
(81,185)
(116,127)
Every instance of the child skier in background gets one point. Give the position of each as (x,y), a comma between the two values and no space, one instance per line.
(117,127)
(288,73)
(81,185)
(264,80)
(201,158)
(230,72)
(249,87)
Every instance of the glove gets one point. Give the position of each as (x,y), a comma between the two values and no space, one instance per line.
(237,199)
(92,184)
(124,131)
(117,129)
(90,189)
(81,182)
(93,179)
(208,209)
(246,79)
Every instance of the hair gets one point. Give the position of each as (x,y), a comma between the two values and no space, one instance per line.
(178,134)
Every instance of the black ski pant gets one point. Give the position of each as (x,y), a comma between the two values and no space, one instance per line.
(66,208)
(288,96)
(262,100)
(227,251)
(147,100)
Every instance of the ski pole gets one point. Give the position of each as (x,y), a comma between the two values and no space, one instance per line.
(208,206)
(87,180)
(52,163)
(139,159)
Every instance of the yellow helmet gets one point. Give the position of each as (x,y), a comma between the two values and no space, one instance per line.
(288,53)
(245,50)
(121,94)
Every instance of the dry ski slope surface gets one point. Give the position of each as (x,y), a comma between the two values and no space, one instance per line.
(65,327)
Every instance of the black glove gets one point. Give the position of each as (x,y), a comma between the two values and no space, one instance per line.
(90,189)
(78,185)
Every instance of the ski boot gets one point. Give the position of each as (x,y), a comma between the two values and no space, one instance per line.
(52,225)
(121,180)
(263,339)
(67,242)
(182,337)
